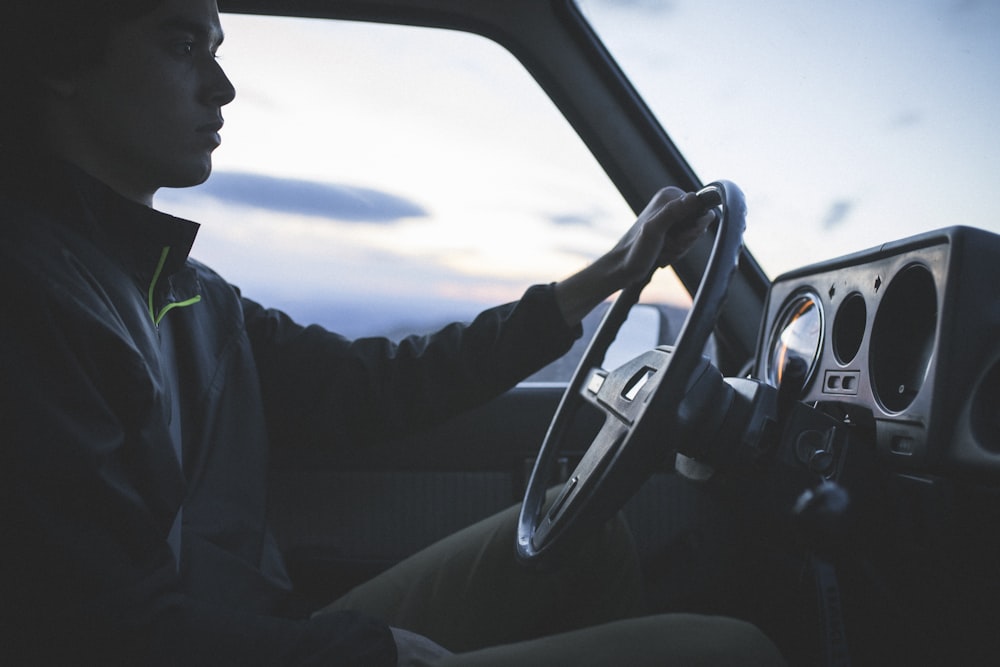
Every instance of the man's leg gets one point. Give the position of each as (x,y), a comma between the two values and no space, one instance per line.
(468,591)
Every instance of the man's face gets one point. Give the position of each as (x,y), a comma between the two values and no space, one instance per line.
(149,115)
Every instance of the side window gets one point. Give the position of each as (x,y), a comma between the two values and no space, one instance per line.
(384,180)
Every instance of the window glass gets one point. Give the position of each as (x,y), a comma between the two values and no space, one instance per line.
(847,124)
(386,180)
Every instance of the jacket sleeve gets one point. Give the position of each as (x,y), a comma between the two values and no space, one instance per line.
(89,493)
(318,385)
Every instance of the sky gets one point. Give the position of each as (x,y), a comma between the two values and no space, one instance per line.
(848,123)
(368,163)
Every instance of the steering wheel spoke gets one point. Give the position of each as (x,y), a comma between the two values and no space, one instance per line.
(623,393)
(621,456)
(585,476)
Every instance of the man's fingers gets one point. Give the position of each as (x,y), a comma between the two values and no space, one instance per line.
(683,235)
(675,219)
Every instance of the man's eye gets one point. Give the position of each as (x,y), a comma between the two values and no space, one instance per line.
(184,48)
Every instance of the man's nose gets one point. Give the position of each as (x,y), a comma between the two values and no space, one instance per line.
(220,90)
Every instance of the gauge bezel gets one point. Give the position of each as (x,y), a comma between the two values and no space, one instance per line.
(787,314)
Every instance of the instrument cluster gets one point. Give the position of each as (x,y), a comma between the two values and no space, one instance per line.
(908,333)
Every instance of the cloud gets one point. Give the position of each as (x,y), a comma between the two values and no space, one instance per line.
(312,198)
(906,119)
(838,212)
(571,220)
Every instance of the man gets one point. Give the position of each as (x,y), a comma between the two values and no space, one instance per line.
(141,391)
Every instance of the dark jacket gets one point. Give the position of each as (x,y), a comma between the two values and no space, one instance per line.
(140,396)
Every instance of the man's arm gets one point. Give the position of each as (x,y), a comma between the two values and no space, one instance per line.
(319,388)
(374,387)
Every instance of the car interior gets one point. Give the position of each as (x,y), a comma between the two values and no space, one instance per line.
(817,452)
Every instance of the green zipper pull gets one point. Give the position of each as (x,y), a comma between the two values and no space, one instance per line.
(157,318)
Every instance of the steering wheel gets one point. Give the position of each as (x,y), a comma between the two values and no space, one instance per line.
(639,402)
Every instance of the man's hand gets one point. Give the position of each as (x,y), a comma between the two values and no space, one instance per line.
(668,226)
(413,650)
(664,231)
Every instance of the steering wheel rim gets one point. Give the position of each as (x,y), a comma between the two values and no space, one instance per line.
(635,400)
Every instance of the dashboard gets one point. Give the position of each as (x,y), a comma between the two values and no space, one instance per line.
(904,337)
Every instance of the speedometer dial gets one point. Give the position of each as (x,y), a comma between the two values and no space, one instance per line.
(796,340)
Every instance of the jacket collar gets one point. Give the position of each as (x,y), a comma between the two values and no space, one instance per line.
(133,234)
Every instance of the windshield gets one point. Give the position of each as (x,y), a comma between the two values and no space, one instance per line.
(847,124)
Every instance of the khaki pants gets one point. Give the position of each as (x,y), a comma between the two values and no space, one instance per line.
(469,594)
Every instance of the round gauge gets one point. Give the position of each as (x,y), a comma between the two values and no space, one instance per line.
(795,340)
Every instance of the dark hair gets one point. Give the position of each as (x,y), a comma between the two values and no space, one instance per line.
(42,39)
